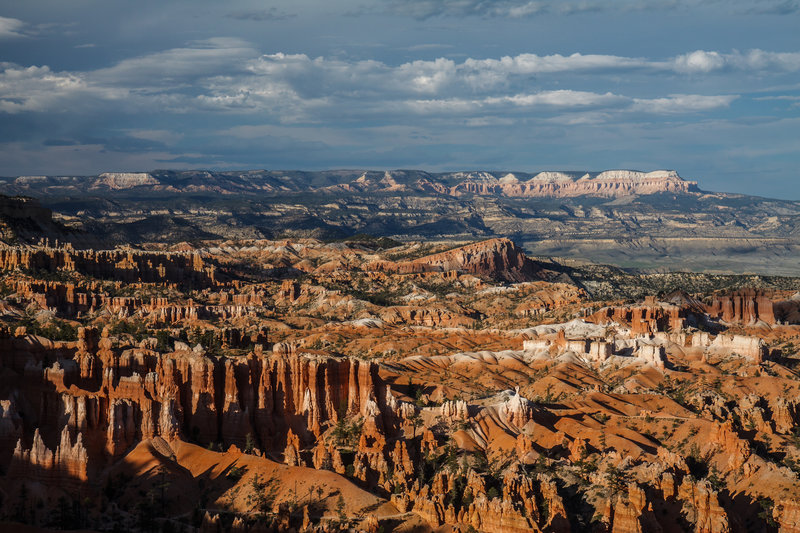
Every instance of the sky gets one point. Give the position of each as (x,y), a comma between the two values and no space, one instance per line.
(710,88)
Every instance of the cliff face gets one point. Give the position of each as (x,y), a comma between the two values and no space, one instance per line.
(24,219)
(121,398)
(744,306)
(610,183)
(620,217)
(644,319)
(122,265)
(452,396)
(499,259)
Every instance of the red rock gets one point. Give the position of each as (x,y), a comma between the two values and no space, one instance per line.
(495,258)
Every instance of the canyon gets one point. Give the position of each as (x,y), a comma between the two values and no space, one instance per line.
(645,221)
(253,385)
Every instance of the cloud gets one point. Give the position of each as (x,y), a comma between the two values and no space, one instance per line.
(165,137)
(574,101)
(761,60)
(11,28)
(261,15)
(701,61)
(561,98)
(426,46)
(779,97)
(682,103)
(164,80)
(425,9)
(199,59)
(786,7)
(40,89)
(81,158)
(227,76)
(486,73)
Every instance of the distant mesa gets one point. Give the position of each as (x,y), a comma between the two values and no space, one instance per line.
(557,184)
(610,183)
(124,180)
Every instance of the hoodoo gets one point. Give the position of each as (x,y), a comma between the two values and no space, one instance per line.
(262,385)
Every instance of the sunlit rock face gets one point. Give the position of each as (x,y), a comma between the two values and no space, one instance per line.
(559,184)
(427,385)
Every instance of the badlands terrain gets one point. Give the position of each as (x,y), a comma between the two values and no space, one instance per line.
(649,221)
(372,385)
(233,352)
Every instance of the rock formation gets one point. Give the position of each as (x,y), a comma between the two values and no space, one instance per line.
(496,258)
(344,387)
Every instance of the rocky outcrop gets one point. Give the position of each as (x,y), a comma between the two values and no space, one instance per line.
(123,180)
(498,259)
(752,348)
(650,353)
(643,319)
(785,414)
(725,439)
(610,183)
(10,425)
(744,306)
(139,394)
(632,513)
(455,411)
(525,504)
(68,465)
(119,264)
(787,514)
(24,219)
(704,509)
(425,316)
(495,258)
(635,426)
(517,410)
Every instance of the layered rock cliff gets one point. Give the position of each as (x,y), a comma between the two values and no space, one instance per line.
(499,259)
(610,183)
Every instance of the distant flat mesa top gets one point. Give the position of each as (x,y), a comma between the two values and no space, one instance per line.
(555,183)
(561,176)
(609,183)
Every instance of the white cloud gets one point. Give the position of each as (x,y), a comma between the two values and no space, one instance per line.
(200,59)
(480,122)
(526,10)
(561,98)
(228,76)
(40,89)
(701,61)
(778,97)
(11,28)
(682,103)
(762,60)
(423,9)
(488,73)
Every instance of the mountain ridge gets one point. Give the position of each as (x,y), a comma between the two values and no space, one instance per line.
(647,221)
(608,183)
